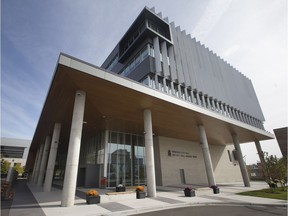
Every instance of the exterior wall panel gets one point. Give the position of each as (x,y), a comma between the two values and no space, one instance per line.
(190,158)
(179,70)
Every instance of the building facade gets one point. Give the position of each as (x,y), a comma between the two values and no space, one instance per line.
(15,150)
(281,136)
(161,110)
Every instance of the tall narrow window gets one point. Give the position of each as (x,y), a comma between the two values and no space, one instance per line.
(161,85)
(168,85)
(189,95)
(183,92)
(195,96)
(201,99)
(176,91)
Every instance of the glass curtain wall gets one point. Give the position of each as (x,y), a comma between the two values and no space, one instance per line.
(126,159)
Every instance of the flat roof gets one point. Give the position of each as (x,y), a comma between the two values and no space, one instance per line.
(117,103)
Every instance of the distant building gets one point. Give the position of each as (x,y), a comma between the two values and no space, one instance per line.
(161,110)
(15,150)
(255,171)
(281,136)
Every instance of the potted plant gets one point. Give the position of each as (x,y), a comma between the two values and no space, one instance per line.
(215,188)
(140,193)
(120,188)
(92,197)
(189,192)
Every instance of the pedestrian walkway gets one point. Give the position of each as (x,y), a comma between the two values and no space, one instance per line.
(31,200)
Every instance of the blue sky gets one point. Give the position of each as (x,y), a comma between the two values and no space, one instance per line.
(251,35)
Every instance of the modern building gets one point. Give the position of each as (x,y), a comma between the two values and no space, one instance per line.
(281,136)
(161,110)
(15,151)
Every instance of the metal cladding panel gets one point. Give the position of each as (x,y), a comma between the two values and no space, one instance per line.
(179,70)
(194,61)
(173,73)
(164,59)
(184,56)
(157,55)
(200,75)
(203,70)
(191,72)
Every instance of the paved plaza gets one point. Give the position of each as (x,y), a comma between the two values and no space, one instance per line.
(30,199)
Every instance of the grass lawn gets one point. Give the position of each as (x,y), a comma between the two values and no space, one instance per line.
(266,193)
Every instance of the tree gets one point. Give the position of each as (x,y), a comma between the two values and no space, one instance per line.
(18,168)
(5,166)
(276,169)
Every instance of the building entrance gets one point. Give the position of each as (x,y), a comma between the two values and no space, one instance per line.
(126,160)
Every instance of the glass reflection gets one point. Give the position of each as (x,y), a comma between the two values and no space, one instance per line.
(126,160)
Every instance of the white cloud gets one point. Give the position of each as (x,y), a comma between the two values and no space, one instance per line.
(231,50)
(210,17)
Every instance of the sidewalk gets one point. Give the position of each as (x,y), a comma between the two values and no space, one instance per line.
(48,203)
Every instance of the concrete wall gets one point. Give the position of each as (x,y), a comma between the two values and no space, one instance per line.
(177,154)
(224,169)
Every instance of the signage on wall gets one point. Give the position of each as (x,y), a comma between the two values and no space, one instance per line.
(173,153)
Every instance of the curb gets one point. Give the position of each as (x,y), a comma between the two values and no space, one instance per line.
(183,205)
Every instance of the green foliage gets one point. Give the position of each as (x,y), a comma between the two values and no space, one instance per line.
(276,169)
(5,166)
(266,193)
(18,168)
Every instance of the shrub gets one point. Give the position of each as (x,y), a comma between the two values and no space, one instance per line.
(92,193)
(140,188)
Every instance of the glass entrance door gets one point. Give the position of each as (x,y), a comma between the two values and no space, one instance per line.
(126,160)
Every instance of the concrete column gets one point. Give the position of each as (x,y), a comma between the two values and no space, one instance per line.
(206,155)
(149,152)
(52,158)
(240,160)
(157,55)
(71,170)
(38,164)
(262,159)
(44,161)
(106,154)
(35,165)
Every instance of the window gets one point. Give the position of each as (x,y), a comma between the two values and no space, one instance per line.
(176,91)
(189,95)
(229,155)
(195,96)
(139,57)
(112,63)
(183,96)
(154,27)
(161,85)
(201,99)
(126,159)
(12,152)
(206,101)
(211,103)
(168,87)
(145,81)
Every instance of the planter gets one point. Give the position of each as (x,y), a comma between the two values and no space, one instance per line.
(120,189)
(92,199)
(140,195)
(216,190)
(189,193)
